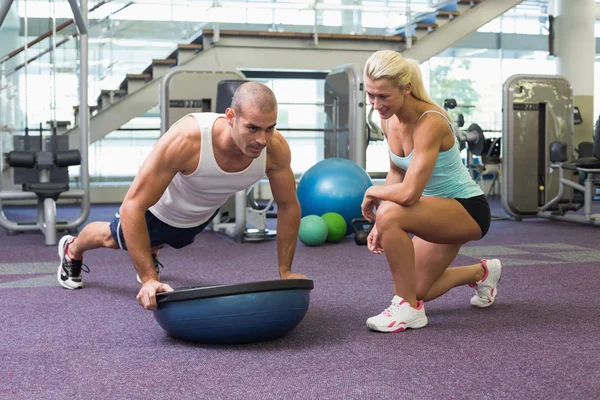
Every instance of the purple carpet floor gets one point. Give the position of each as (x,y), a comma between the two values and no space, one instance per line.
(541,340)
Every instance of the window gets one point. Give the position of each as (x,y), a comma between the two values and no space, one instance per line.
(301,118)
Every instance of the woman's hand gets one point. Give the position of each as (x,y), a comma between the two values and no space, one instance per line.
(374,242)
(369,204)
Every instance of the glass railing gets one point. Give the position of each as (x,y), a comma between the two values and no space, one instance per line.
(125,36)
(39,83)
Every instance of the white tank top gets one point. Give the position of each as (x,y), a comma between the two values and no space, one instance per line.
(190,200)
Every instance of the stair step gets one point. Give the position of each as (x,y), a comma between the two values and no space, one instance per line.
(426,26)
(198,40)
(448,14)
(183,46)
(142,77)
(159,67)
(118,92)
(166,61)
(133,82)
(59,124)
(186,52)
(91,108)
(108,97)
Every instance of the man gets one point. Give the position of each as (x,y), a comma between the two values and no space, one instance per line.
(192,170)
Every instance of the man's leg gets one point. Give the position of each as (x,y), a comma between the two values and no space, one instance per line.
(95,235)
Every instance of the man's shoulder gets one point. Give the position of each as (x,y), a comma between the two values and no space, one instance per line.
(278,150)
(278,143)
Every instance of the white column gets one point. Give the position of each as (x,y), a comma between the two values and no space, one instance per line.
(575,48)
(11,116)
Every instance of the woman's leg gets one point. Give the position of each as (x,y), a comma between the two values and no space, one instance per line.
(433,219)
(434,278)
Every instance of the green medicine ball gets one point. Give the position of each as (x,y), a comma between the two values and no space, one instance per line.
(336,226)
(313,230)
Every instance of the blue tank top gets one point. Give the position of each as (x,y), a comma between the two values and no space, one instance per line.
(450,177)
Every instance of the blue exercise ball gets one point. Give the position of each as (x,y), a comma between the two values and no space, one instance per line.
(234,314)
(334,185)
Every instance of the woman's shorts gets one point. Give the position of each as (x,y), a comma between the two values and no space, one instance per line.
(479,208)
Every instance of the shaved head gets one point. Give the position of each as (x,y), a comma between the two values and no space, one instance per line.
(254,94)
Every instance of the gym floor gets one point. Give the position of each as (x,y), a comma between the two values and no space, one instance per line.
(539,341)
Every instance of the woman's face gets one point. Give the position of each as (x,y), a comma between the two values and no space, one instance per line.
(386,98)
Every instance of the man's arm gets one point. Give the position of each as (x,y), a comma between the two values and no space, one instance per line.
(164,161)
(283,188)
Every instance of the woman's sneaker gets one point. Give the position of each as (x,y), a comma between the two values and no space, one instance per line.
(487,287)
(69,271)
(400,315)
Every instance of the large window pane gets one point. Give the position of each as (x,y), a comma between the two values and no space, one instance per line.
(301,119)
(129,146)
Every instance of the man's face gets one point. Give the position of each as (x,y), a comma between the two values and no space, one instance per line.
(251,129)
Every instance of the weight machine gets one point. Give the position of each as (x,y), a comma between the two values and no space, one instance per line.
(477,145)
(538,162)
(41,167)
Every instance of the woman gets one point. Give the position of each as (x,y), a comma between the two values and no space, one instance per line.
(428,193)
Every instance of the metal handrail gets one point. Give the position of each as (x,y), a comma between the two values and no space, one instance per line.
(58,44)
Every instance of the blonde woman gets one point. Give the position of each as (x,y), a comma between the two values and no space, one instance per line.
(428,193)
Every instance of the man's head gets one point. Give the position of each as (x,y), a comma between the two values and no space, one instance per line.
(252,117)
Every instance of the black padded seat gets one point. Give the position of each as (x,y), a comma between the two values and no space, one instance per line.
(586,162)
(46,190)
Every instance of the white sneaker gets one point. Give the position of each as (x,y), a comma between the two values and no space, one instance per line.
(400,315)
(487,289)
(69,271)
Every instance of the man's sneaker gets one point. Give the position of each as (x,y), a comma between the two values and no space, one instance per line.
(157,267)
(400,315)
(69,271)
(487,289)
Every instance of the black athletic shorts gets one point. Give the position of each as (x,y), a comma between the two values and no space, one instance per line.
(160,233)
(479,208)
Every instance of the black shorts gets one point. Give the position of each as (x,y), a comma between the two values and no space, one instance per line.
(479,208)
(160,233)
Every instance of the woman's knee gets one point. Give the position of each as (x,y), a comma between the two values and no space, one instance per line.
(388,216)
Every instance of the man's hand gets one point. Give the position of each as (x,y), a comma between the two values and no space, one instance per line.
(292,275)
(374,242)
(147,295)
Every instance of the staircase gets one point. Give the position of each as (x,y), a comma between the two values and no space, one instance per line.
(230,50)
(438,31)
(136,94)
